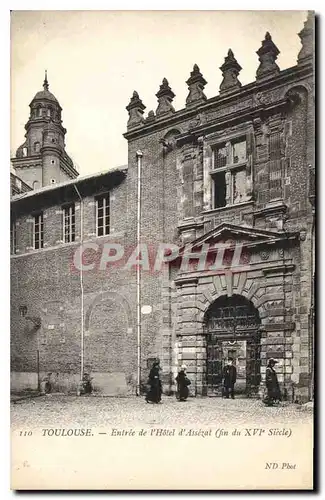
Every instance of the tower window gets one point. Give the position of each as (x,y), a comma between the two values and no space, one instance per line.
(69,223)
(25,151)
(38,233)
(39,111)
(102,215)
(37,147)
(49,112)
(13,237)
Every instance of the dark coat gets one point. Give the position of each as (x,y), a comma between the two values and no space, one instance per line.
(229,375)
(155,391)
(272,384)
(182,385)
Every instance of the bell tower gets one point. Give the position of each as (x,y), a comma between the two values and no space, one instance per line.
(42,160)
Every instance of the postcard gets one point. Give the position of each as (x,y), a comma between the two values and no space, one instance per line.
(162,250)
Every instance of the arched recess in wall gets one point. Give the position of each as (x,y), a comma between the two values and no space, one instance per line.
(116,297)
(297,95)
(169,140)
(36,185)
(37,147)
(110,344)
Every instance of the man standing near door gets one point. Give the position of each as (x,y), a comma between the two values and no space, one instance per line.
(229,378)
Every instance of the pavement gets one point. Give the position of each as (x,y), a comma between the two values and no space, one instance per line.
(93,411)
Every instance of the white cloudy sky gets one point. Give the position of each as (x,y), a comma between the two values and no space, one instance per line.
(95,59)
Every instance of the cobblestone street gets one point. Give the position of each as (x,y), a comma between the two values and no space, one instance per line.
(57,410)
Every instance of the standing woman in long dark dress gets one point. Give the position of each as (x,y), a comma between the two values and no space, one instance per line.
(272,384)
(182,384)
(154,394)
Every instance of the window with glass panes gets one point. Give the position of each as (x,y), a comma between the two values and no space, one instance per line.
(102,215)
(69,223)
(38,235)
(229,157)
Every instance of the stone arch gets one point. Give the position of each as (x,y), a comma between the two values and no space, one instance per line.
(302,87)
(169,140)
(111,296)
(172,133)
(250,293)
(234,299)
(297,94)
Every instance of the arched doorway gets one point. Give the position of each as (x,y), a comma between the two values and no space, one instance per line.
(232,328)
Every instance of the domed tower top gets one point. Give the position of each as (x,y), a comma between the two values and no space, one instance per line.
(45,104)
(45,94)
(42,158)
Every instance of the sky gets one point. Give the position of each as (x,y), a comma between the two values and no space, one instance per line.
(96,59)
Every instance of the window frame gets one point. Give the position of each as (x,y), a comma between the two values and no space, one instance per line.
(72,225)
(41,230)
(230,168)
(106,217)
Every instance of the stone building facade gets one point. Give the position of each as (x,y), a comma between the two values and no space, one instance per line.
(228,181)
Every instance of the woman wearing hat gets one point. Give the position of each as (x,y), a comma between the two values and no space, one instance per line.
(155,391)
(272,384)
(182,384)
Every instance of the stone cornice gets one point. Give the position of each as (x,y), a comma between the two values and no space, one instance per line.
(270,210)
(26,161)
(284,77)
(282,268)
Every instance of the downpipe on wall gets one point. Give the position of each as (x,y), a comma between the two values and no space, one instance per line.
(139,155)
(81,289)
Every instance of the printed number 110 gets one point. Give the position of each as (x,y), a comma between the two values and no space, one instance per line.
(25,433)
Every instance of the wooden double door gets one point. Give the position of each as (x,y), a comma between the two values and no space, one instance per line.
(246,354)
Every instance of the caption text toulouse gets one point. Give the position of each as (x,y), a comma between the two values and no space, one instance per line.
(166,432)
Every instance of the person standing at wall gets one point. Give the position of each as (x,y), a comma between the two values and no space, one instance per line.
(229,378)
(155,390)
(272,384)
(182,384)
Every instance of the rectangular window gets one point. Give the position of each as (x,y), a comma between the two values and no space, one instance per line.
(229,157)
(219,181)
(13,237)
(102,215)
(239,152)
(38,234)
(220,157)
(69,223)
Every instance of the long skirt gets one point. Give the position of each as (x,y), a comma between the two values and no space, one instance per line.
(273,395)
(182,392)
(154,393)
